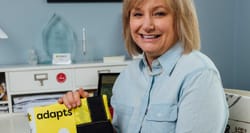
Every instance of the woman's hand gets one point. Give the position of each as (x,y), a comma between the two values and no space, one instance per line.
(72,99)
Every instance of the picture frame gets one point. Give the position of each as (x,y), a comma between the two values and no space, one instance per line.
(105,84)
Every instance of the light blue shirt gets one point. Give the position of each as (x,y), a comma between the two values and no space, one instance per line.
(182,94)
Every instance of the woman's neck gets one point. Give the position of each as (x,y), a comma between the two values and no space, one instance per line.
(150,60)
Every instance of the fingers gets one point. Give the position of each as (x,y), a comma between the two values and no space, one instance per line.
(83,93)
(76,98)
(60,100)
(68,100)
(72,99)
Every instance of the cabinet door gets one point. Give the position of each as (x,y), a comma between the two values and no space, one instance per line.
(40,81)
(87,78)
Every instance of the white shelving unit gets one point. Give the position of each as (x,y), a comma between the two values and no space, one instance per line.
(44,80)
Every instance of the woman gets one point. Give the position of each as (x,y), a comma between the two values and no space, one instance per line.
(174,88)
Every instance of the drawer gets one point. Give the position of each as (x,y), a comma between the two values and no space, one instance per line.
(87,78)
(39,81)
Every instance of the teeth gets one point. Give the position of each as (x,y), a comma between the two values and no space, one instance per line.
(148,37)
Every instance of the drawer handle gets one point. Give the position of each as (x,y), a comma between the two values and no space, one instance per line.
(41,77)
(104,71)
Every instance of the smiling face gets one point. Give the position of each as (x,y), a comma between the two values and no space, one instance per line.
(152,28)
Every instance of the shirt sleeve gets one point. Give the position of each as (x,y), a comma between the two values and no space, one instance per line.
(202,104)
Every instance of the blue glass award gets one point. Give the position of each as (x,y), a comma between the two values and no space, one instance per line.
(58,38)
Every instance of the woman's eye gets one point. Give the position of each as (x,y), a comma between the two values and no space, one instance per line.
(160,14)
(137,14)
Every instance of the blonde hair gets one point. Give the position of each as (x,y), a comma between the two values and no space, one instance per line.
(187,25)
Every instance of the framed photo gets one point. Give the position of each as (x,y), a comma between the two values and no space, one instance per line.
(75,1)
(3,92)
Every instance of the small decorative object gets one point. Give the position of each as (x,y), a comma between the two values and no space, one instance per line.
(61,58)
(83,41)
(113,59)
(59,38)
(33,59)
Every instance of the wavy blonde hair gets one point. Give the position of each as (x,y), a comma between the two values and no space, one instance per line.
(186,23)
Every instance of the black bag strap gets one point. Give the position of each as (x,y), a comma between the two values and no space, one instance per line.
(96,127)
(96,108)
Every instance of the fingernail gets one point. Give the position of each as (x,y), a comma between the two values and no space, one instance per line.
(78,103)
(86,93)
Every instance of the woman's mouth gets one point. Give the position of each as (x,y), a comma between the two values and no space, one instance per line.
(149,36)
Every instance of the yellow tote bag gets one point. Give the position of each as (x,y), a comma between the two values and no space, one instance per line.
(56,118)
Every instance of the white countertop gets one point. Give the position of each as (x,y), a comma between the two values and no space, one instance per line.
(15,123)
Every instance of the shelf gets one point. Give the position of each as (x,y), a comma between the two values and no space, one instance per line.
(3,102)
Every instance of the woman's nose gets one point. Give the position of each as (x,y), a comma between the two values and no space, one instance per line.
(148,24)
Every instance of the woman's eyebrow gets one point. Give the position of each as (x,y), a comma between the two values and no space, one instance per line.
(136,9)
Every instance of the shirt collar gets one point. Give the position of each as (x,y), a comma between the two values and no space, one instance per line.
(165,62)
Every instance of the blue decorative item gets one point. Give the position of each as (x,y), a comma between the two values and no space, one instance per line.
(58,37)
